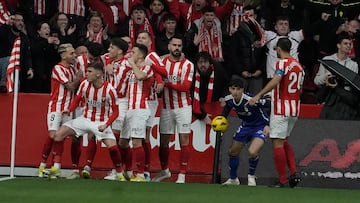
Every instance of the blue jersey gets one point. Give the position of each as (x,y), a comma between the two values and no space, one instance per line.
(251,116)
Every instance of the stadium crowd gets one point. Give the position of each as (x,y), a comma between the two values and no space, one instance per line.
(216,40)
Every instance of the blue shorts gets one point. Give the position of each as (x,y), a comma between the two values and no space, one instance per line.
(246,134)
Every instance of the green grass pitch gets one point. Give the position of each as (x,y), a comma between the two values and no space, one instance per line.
(24,190)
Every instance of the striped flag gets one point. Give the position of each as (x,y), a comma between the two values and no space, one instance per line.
(14,63)
(4,13)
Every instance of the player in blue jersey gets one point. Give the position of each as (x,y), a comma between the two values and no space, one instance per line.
(254,129)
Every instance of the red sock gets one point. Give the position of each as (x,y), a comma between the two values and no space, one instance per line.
(164,157)
(47,149)
(184,158)
(126,156)
(91,151)
(139,158)
(147,150)
(58,148)
(290,157)
(75,153)
(280,163)
(116,158)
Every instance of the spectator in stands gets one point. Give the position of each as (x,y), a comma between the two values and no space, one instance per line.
(75,10)
(44,57)
(163,38)
(155,14)
(95,30)
(137,23)
(8,33)
(352,28)
(113,13)
(247,54)
(341,101)
(189,12)
(209,84)
(61,28)
(205,34)
(35,12)
(282,29)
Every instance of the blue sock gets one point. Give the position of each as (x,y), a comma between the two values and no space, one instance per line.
(233,164)
(252,165)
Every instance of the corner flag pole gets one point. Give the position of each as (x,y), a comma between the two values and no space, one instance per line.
(216,174)
(13,136)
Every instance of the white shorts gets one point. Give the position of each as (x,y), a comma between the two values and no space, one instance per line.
(118,124)
(56,119)
(82,125)
(281,126)
(153,105)
(79,111)
(179,118)
(135,123)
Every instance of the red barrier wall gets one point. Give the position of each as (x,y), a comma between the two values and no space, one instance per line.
(32,130)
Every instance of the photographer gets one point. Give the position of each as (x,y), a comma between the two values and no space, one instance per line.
(339,98)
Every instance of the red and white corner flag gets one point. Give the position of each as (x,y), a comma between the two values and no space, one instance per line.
(14,64)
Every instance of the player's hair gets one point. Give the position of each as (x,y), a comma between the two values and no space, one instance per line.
(145,31)
(177,36)
(236,82)
(62,47)
(142,48)
(97,66)
(204,55)
(284,43)
(120,43)
(95,49)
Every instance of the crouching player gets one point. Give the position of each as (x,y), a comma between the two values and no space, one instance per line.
(253,129)
(100,111)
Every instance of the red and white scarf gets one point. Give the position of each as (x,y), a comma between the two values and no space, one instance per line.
(14,64)
(196,102)
(145,26)
(213,39)
(97,38)
(235,18)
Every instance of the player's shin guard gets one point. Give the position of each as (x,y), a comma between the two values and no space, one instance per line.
(139,158)
(233,165)
(116,158)
(90,151)
(47,149)
(253,162)
(280,163)
(184,158)
(147,150)
(164,157)
(290,157)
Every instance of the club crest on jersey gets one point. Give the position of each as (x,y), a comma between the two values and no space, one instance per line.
(96,103)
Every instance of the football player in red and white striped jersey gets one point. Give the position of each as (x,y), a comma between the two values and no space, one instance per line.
(118,71)
(140,82)
(64,81)
(286,89)
(177,110)
(100,111)
(158,67)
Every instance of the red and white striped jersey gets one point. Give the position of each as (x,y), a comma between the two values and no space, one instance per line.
(74,7)
(120,77)
(98,101)
(154,59)
(139,90)
(61,97)
(178,72)
(286,95)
